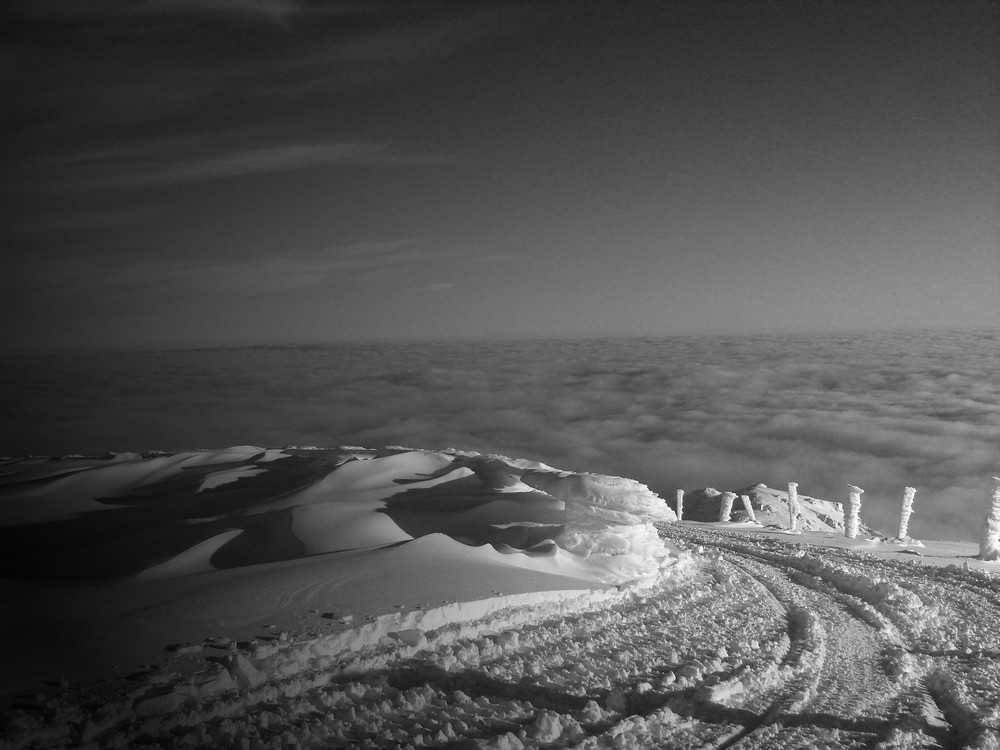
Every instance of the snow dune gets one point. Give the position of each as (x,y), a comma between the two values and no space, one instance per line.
(183,514)
(403,598)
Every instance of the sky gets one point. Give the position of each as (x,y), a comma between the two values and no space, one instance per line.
(200,172)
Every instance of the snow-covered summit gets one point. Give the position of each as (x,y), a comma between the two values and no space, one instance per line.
(166,516)
(399,598)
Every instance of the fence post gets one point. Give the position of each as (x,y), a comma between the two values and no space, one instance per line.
(989,546)
(793,505)
(904,513)
(725,511)
(854,512)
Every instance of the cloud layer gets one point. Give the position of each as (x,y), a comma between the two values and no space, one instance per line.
(879,411)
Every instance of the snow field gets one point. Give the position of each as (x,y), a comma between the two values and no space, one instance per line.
(620,669)
(730,639)
(753,643)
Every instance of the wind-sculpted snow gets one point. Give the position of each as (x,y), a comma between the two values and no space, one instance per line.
(608,521)
(193,512)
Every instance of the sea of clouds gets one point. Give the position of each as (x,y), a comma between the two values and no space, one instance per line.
(881,411)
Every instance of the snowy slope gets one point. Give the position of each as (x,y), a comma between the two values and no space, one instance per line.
(402,598)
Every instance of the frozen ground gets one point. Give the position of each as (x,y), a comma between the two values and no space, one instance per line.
(409,598)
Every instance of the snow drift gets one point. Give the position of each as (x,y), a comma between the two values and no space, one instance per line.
(609,521)
(167,516)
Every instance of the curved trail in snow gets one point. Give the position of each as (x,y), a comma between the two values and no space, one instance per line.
(878,680)
(758,644)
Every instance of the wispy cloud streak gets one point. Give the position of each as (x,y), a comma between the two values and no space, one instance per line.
(156,164)
(278,272)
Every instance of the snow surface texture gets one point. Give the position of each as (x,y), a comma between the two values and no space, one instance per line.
(747,636)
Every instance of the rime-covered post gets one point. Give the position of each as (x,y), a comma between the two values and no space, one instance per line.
(904,513)
(680,505)
(726,509)
(854,511)
(793,505)
(748,508)
(989,546)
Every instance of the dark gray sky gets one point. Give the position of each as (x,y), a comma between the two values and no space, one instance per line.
(230,171)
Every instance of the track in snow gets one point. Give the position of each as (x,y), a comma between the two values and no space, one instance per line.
(761,644)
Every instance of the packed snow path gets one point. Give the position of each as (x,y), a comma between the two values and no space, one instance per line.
(893,654)
(754,643)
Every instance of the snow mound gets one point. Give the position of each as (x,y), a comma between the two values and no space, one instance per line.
(609,521)
(202,511)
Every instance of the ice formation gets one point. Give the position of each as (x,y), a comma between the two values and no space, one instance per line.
(748,507)
(680,505)
(905,512)
(608,521)
(854,511)
(989,546)
(793,505)
(726,509)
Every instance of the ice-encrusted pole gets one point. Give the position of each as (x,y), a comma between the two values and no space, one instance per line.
(680,505)
(748,508)
(989,546)
(854,511)
(905,511)
(793,505)
(726,509)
